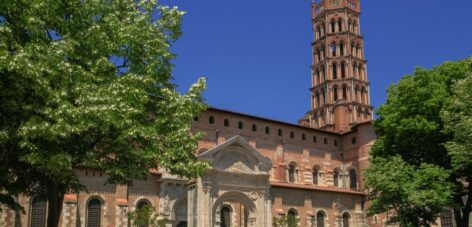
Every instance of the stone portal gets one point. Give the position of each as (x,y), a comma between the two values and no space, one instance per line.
(235,191)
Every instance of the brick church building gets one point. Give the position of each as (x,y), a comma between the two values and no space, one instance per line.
(261,168)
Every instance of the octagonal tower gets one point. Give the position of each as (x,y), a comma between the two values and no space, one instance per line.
(339,86)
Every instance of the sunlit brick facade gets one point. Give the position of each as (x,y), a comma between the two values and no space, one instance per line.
(339,89)
(261,168)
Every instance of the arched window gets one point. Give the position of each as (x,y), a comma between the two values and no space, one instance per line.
(344,92)
(320,219)
(340,25)
(335,93)
(225,217)
(335,71)
(292,172)
(211,120)
(333,26)
(38,212)
(318,99)
(345,220)
(341,49)
(254,128)
(343,70)
(143,204)
(333,50)
(354,70)
(318,77)
(240,125)
(336,178)
(315,172)
(446,219)
(94,211)
(352,179)
(292,218)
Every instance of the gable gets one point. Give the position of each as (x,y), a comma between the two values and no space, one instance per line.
(237,156)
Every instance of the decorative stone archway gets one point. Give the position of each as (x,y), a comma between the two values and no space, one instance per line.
(179,212)
(238,177)
(244,216)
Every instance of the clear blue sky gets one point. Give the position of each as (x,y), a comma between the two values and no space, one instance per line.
(256,53)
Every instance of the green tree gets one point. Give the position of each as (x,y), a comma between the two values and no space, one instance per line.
(89,84)
(410,124)
(416,195)
(457,116)
(146,217)
(285,221)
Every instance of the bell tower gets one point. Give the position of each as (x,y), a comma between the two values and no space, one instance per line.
(339,86)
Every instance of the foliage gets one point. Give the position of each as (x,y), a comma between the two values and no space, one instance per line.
(410,125)
(457,117)
(285,221)
(416,196)
(89,84)
(146,216)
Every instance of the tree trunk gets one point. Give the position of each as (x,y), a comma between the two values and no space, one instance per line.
(458,217)
(462,213)
(55,200)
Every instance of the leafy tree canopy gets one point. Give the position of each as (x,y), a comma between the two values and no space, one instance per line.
(89,84)
(457,117)
(416,195)
(413,128)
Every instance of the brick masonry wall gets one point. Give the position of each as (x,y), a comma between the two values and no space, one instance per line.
(296,144)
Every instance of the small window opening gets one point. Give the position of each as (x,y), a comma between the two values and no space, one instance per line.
(267,130)
(343,70)
(280,132)
(292,135)
(211,120)
(226,123)
(335,71)
(344,93)
(240,125)
(254,128)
